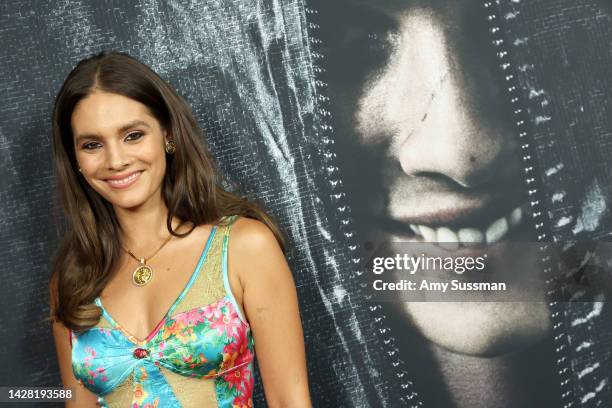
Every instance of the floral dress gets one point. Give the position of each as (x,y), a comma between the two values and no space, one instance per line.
(197,356)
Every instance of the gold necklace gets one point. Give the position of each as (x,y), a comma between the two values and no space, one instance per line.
(144,273)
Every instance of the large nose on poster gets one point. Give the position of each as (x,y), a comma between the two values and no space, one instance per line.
(306,203)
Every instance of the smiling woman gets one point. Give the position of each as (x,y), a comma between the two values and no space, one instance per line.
(147,309)
(123,159)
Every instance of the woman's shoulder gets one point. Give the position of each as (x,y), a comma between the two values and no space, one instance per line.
(249,238)
(251,231)
(254,249)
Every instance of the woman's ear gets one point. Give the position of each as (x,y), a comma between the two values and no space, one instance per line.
(169,145)
(167,137)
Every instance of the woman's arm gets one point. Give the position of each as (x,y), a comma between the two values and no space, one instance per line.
(82,397)
(270,303)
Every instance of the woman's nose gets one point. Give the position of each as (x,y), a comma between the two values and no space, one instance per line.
(457,139)
(448,109)
(116,156)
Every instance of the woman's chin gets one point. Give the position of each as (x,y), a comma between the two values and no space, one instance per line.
(485,329)
(128,200)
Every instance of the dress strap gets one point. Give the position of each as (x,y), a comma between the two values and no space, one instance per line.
(228,289)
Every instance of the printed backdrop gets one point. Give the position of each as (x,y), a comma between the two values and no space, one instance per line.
(246,69)
(256,75)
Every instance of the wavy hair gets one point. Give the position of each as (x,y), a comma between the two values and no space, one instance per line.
(191,188)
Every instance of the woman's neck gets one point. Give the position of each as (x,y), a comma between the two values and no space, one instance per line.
(144,228)
(522,379)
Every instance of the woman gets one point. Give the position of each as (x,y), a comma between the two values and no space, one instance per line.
(154,305)
(452,129)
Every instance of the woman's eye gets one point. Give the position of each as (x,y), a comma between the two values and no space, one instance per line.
(358,42)
(90,145)
(134,136)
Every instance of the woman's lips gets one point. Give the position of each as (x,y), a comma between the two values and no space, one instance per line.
(123,181)
(505,244)
(453,238)
(465,235)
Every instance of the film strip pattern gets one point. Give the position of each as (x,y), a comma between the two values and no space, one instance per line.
(396,388)
(501,40)
(578,329)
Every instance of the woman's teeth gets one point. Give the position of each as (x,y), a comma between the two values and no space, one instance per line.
(451,239)
(123,181)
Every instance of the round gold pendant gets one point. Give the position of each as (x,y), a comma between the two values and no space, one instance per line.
(142,275)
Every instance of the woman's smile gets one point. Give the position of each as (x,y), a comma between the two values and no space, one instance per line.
(123,181)
(116,141)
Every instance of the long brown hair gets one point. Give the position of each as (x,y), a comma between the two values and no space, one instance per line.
(191,188)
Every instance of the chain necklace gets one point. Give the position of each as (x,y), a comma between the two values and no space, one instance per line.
(144,273)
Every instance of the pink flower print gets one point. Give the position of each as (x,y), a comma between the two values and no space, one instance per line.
(191,317)
(246,356)
(234,379)
(228,323)
(239,379)
(241,359)
(230,354)
(213,311)
(243,401)
(240,337)
(234,354)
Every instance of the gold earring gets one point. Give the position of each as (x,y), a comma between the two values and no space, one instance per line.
(170,146)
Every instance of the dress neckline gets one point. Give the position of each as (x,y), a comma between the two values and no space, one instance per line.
(181,295)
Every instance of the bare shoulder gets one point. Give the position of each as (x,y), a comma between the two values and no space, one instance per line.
(253,237)
(254,250)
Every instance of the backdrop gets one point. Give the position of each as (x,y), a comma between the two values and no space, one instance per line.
(245,68)
(256,74)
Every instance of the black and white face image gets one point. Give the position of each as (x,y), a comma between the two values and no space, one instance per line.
(428,153)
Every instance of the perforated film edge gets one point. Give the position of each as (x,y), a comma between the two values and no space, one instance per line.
(540,223)
(409,397)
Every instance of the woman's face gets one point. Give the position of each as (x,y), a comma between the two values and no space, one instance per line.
(119,146)
(430,154)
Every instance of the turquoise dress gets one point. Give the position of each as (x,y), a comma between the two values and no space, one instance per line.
(199,355)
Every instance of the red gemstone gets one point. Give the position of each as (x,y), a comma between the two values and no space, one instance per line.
(141,353)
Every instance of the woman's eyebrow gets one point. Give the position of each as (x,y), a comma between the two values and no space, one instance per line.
(122,129)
